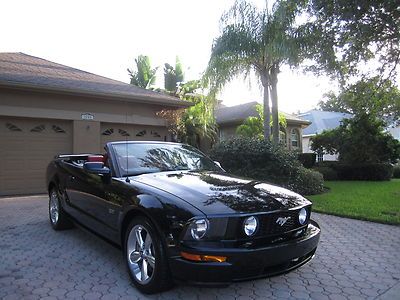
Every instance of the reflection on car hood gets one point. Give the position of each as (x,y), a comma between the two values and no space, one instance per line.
(221,193)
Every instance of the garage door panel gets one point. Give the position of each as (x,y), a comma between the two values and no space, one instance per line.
(26,148)
(113,132)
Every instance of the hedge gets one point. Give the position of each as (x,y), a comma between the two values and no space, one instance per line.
(396,171)
(261,160)
(333,170)
(374,172)
(307,159)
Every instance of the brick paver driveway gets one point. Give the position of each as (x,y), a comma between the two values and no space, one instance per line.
(355,260)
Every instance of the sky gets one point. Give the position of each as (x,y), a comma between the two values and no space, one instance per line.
(104,37)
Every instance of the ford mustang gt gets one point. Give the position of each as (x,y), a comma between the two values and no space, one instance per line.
(178,216)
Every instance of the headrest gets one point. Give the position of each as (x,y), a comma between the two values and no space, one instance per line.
(96,158)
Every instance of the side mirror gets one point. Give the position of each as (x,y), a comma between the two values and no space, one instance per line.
(219,165)
(96,168)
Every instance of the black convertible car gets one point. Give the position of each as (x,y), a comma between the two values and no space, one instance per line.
(179,216)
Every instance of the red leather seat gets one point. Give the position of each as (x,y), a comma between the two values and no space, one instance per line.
(96,158)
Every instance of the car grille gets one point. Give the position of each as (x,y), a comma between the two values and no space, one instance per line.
(268,225)
(277,223)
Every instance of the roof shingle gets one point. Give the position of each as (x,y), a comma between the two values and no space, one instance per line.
(238,113)
(30,72)
(322,120)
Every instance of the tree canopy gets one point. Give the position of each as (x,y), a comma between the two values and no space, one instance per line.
(376,98)
(359,140)
(255,40)
(173,76)
(143,75)
(344,34)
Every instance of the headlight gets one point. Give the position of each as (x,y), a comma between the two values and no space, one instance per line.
(250,225)
(198,228)
(302,216)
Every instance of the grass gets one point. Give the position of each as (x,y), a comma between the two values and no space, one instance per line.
(365,200)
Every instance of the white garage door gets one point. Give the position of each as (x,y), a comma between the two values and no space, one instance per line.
(26,148)
(112,132)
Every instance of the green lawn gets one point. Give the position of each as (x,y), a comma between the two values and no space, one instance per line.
(365,200)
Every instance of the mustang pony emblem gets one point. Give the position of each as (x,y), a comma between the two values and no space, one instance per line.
(281,220)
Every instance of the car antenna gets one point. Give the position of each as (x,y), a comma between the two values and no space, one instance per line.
(126,143)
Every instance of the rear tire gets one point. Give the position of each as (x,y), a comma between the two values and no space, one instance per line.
(58,218)
(145,257)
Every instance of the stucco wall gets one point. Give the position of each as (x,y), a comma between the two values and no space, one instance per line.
(86,133)
(307,149)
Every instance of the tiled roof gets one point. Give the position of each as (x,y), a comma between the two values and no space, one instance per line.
(322,120)
(238,113)
(24,71)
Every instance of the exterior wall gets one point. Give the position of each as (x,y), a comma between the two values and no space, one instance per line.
(86,133)
(395,132)
(228,131)
(307,149)
(86,137)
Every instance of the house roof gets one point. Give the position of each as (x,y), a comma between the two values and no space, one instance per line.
(238,113)
(23,71)
(322,120)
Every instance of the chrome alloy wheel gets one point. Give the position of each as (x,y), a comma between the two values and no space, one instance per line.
(54,208)
(140,254)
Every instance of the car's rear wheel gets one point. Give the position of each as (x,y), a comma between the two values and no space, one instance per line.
(145,257)
(58,218)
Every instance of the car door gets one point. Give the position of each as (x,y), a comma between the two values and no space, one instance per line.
(85,193)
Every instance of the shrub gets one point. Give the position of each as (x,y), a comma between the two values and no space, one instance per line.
(327,163)
(261,160)
(307,182)
(377,171)
(396,171)
(307,159)
(328,173)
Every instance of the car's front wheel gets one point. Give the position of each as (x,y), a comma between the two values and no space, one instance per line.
(145,257)
(58,218)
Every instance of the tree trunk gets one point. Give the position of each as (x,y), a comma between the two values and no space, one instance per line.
(266,107)
(274,102)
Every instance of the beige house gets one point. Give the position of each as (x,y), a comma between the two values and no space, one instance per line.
(48,109)
(229,118)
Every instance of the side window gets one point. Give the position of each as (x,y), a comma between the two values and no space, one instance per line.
(295,138)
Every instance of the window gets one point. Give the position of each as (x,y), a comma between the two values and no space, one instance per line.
(38,128)
(123,132)
(13,127)
(108,131)
(320,156)
(295,138)
(57,129)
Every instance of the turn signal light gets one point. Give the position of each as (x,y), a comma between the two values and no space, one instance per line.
(197,257)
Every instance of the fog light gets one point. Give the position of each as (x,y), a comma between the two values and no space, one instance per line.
(302,216)
(250,225)
(198,257)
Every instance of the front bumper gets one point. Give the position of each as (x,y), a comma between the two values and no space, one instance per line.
(245,264)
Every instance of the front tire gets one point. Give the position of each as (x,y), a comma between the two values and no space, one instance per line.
(145,257)
(58,218)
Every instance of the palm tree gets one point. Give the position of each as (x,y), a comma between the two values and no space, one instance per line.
(253,126)
(144,76)
(255,40)
(173,76)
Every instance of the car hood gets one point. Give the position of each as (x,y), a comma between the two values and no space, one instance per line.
(220,193)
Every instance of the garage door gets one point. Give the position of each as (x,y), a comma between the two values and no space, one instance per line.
(111,132)
(26,148)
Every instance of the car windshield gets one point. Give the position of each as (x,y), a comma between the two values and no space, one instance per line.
(141,158)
